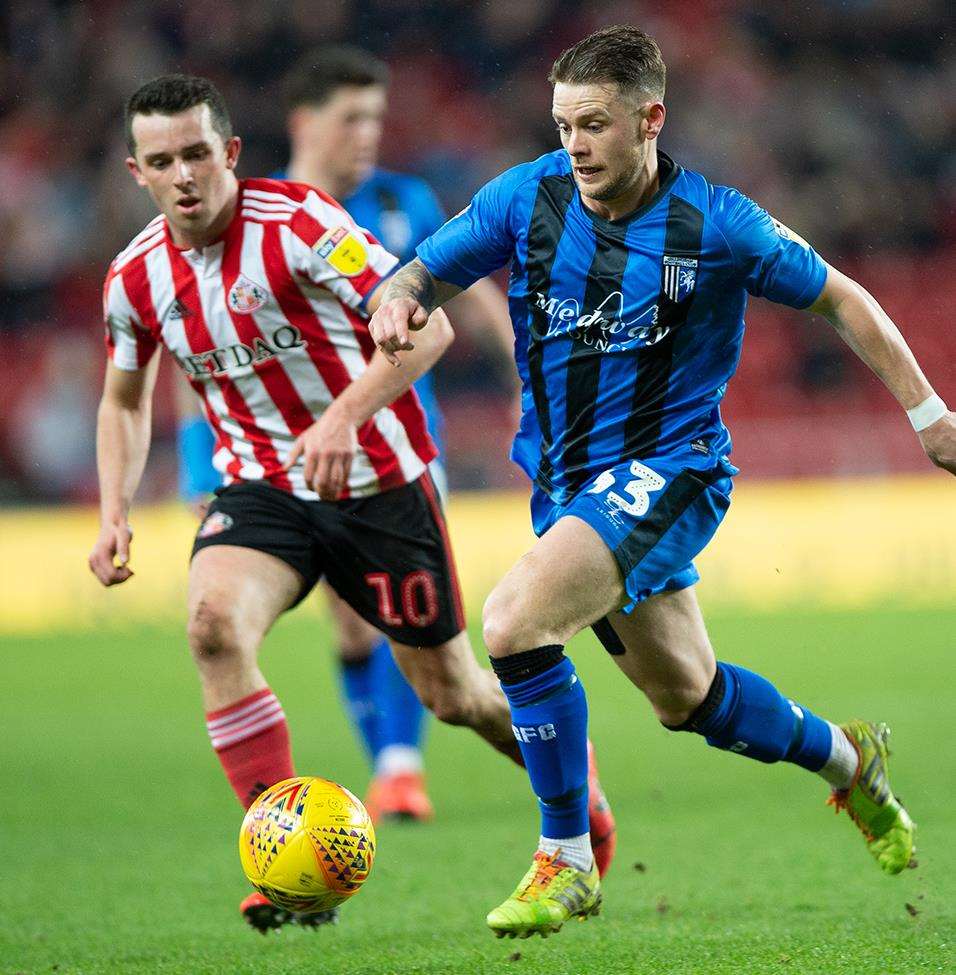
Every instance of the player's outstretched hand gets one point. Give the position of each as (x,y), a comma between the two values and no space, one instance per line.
(326,449)
(110,555)
(391,324)
(939,442)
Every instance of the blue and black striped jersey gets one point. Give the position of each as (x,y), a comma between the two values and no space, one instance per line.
(627,330)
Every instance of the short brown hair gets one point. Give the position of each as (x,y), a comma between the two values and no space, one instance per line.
(622,54)
(174,93)
(322,71)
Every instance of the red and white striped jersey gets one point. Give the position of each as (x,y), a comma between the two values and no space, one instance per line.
(269,324)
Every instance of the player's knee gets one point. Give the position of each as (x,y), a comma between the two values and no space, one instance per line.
(213,633)
(506,627)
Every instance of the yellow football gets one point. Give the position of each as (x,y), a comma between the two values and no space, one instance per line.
(307,844)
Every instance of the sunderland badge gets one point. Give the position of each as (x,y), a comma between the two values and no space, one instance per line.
(245,296)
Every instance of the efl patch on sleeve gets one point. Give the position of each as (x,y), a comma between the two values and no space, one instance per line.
(784,231)
(342,250)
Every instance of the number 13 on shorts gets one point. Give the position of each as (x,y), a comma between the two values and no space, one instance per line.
(644,481)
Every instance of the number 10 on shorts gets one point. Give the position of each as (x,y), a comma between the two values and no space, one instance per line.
(417,603)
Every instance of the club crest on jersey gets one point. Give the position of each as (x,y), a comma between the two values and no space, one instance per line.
(214,524)
(679,276)
(343,251)
(245,296)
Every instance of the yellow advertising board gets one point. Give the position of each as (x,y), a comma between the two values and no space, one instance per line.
(834,543)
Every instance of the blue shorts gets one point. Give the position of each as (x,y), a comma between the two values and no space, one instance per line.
(655,516)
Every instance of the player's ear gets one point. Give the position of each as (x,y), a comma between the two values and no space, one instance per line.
(137,173)
(233,148)
(652,119)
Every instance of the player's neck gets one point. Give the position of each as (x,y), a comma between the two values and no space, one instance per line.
(303,170)
(642,189)
(199,239)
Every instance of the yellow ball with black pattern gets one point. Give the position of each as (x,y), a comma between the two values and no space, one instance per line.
(307,844)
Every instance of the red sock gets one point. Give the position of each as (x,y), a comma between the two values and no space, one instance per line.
(251,739)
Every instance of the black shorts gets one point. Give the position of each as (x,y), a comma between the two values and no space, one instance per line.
(386,555)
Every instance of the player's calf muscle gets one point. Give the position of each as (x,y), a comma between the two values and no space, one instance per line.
(675,678)
(449,682)
(668,654)
(444,678)
(448,707)
(673,705)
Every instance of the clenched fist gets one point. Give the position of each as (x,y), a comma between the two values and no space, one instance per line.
(110,555)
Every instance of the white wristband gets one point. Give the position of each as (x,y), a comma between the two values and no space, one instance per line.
(927,413)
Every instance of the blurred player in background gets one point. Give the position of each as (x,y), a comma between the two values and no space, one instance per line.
(629,278)
(336,102)
(260,290)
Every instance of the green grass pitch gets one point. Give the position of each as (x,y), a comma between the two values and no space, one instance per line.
(118,832)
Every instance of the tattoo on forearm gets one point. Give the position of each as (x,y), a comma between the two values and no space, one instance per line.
(413,281)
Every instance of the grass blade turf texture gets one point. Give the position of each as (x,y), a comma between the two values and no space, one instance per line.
(118,832)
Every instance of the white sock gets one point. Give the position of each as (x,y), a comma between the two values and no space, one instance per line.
(575,850)
(398,760)
(840,768)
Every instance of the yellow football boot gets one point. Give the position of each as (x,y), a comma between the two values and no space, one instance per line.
(549,894)
(870,803)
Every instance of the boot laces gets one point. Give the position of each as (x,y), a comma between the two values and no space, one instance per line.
(840,800)
(547,867)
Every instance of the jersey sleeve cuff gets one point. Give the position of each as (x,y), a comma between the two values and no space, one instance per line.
(813,290)
(125,363)
(451,274)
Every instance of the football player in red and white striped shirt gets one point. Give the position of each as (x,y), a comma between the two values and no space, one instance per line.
(261,290)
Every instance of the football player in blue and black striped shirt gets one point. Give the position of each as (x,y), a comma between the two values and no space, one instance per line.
(629,279)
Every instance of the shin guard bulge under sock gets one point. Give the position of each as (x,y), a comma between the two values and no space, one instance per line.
(251,739)
(549,717)
(744,713)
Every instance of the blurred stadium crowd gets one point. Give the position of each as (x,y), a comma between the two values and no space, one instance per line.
(839,117)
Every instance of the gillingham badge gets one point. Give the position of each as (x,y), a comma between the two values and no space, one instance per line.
(679,276)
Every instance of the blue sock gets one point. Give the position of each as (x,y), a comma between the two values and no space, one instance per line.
(401,715)
(549,716)
(744,713)
(357,679)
